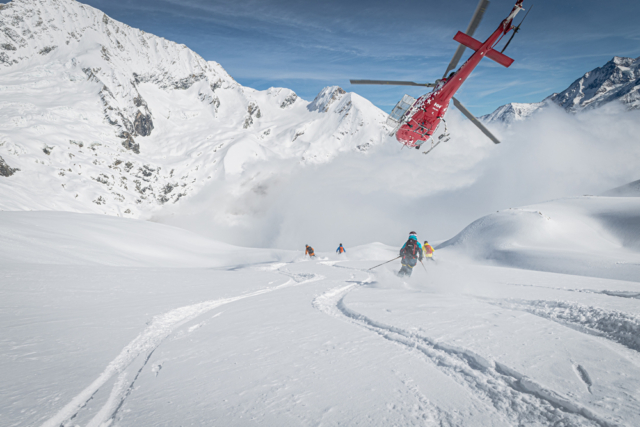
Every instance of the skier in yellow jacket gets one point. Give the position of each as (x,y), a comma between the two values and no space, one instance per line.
(428,250)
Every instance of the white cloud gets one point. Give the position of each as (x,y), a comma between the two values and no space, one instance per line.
(382,195)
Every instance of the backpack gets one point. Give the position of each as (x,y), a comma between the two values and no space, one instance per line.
(410,248)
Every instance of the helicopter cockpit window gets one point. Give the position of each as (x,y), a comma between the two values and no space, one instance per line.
(400,109)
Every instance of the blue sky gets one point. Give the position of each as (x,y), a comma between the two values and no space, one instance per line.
(305,45)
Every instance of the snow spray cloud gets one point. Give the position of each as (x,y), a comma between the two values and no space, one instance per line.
(383,194)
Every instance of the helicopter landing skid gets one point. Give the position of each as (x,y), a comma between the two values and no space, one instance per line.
(446,136)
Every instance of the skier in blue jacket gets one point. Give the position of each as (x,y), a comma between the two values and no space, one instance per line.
(411,252)
(340,249)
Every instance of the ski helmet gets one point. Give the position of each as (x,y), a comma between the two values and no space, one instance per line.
(412,233)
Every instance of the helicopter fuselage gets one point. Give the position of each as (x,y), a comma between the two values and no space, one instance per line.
(428,110)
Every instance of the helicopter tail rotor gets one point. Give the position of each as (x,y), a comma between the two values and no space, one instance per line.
(516,29)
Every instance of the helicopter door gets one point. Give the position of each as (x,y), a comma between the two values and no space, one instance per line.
(395,118)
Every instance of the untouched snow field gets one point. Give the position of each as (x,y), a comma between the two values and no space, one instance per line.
(120,322)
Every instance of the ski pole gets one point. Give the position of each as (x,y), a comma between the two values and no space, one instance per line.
(425,268)
(385,263)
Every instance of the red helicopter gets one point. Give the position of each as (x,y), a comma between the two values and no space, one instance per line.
(415,121)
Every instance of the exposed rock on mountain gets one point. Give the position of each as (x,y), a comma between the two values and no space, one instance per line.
(289,100)
(617,80)
(143,124)
(5,169)
(129,142)
(325,98)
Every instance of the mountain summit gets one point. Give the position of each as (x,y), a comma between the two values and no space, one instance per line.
(617,80)
(96,116)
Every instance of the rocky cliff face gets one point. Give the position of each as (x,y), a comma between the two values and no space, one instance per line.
(616,81)
(96,116)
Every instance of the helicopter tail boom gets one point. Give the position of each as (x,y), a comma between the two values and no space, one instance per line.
(474,44)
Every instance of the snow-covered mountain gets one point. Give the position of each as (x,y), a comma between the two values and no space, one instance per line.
(96,116)
(512,112)
(617,80)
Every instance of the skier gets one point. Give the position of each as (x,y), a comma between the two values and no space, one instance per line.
(410,253)
(428,250)
(340,249)
(309,251)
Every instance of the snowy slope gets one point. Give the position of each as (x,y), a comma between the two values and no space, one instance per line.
(84,239)
(96,116)
(628,190)
(527,317)
(617,80)
(96,333)
(595,236)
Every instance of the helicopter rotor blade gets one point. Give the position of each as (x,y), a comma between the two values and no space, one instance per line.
(475,121)
(390,83)
(516,29)
(475,21)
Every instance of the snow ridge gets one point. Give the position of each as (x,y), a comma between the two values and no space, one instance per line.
(631,189)
(549,237)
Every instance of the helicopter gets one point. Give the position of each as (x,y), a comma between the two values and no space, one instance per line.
(414,121)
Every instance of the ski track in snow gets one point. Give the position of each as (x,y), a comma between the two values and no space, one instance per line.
(158,329)
(614,325)
(517,398)
(620,294)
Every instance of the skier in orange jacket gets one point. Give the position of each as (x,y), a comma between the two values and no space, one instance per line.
(309,251)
